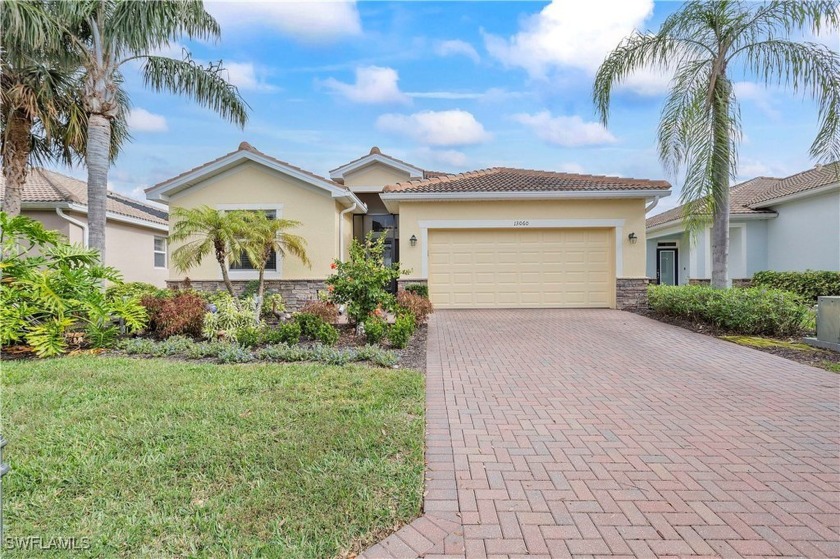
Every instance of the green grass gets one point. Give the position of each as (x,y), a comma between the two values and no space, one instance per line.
(831,366)
(170,459)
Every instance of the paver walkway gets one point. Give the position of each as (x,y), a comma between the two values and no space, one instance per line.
(557,433)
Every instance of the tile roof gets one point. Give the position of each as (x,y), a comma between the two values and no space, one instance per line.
(751,197)
(43,186)
(376,151)
(245,146)
(505,179)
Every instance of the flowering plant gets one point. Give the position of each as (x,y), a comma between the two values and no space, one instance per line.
(362,282)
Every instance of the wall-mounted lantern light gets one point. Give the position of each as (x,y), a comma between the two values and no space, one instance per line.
(413,240)
(632,238)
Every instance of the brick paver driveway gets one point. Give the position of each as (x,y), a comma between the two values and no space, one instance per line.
(601,433)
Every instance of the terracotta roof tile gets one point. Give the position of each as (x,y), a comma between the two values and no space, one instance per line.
(245,146)
(505,179)
(50,187)
(752,196)
(376,151)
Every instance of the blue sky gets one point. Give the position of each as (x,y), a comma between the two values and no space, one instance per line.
(448,86)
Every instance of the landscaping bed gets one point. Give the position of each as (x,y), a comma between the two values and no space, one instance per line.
(171,458)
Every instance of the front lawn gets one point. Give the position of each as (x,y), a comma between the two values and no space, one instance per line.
(173,459)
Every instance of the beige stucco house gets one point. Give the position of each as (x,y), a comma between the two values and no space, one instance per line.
(492,238)
(136,234)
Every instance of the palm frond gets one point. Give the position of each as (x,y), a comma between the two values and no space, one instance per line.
(141,27)
(205,84)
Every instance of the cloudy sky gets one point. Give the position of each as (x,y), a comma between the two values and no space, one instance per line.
(447,86)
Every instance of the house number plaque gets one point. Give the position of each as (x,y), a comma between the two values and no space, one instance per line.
(521,223)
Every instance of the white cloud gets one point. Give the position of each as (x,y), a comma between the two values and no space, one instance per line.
(436,128)
(571,33)
(757,94)
(457,47)
(570,168)
(567,131)
(244,76)
(494,94)
(648,82)
(306,22)
(374,84)
(141,120)
(448,157)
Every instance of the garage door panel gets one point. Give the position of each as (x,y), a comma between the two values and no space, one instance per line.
(521,268)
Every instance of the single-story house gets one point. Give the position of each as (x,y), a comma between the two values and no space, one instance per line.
(781,224)
(136,232)
(497,237)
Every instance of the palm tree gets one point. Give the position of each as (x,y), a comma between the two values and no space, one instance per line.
(266,236)
(106,35)
(699,129)
(39,90)
(204,231)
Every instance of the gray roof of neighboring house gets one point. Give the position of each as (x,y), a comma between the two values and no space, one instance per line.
(753,197)
(506,179)
(43,186)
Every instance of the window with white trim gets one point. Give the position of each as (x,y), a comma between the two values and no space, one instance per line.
(245,263)
(160,252)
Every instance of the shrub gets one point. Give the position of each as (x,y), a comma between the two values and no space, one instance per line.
(230,316)
(51,288)
(420,289)
(362,283)
(273,305)
(402,330)
(809,284)
(181,312)
(250,336)
(749,311)
(250,289)
(309,324)
(288,333)
(375,329)
(134,289)
(325,310)
(416,304)
(327,334)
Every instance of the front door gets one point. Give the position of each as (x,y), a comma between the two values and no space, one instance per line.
(666,266)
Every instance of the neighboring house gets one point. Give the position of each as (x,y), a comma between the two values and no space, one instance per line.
(782,224)
(136,231)
(497,237)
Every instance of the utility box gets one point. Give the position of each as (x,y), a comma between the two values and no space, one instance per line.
(828,324)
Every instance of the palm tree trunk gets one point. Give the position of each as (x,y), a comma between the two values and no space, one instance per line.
(720,176)
(15,161)
(98,160)
(260,293)
(221,258)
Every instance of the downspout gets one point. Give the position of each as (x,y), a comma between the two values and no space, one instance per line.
(341,230)
(76,222)
(652,204)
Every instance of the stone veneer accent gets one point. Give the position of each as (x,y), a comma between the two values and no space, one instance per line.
(401,283)
(631,293)
(736,282)
(295,292)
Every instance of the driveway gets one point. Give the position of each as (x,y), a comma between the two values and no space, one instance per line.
(557,433)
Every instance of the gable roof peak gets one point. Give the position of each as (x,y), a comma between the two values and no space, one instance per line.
(374,150)
(246,146)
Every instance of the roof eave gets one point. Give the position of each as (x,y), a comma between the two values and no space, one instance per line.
(796,196)
(732,217)
(413,172)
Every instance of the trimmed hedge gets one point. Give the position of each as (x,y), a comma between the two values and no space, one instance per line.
(750,310)
(809,284)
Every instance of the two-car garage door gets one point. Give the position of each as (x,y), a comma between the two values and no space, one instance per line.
(513,268)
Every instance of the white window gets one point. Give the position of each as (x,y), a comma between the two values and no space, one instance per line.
(160,252)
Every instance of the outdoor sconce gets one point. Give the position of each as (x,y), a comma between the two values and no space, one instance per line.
(632,238)
(413,240)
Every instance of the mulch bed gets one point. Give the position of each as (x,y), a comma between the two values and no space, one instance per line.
(814,357)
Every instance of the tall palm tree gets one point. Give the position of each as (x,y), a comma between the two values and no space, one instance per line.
(699,130)
(108,34)
(266,236)
(205,231)
(40,117)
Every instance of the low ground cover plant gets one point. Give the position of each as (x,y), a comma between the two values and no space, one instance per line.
(748,311)
(809,284)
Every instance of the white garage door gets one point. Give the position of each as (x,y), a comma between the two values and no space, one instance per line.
(514,268)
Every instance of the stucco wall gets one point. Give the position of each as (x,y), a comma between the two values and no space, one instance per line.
(805,235)
(256,186)
(128,248)
(375,174)
(631,211)
(756,232)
